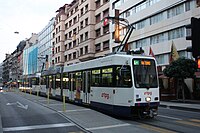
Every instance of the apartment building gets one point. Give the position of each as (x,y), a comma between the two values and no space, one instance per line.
(59,37)
(45,46)
(158,24)
(79,34)
(30,54)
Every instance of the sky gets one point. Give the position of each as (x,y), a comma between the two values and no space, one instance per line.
(25,17)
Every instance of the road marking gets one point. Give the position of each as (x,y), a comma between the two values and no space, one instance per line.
(189,123)
(194,120)
(105,127)
(55,103)
(20,105)
(156,129)
(74,110)
(37,127)
(174,118)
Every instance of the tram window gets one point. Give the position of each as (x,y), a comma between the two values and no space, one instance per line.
(34,81)
(145,74)
(123,76)
(96,77)
(65,81)
(84,81)
(78,80)
(107,76)
(50,81)
(58,81)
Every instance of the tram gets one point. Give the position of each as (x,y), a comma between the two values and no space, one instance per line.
(124,85)
(119,84)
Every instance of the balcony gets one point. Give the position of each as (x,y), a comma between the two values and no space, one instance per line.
(86,57)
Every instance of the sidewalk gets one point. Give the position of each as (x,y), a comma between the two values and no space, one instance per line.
(189,105)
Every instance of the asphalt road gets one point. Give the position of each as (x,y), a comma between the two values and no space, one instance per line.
(20,115)
(171,121)
(43,116)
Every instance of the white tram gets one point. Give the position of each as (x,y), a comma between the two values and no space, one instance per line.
(125,85)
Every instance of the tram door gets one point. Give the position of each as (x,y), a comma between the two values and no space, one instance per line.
(86,86)
(71,86)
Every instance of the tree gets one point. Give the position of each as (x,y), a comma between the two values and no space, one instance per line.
(181,69)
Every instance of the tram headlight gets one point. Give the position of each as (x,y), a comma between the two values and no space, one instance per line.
(148,99)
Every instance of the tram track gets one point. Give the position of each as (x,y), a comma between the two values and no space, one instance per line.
(156,128)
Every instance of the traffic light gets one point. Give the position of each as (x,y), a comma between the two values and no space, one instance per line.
(105,21)
(198,63)
(195,37)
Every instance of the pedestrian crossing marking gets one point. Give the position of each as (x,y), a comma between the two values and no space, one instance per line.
(156,129)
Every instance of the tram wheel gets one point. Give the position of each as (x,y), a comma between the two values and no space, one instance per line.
(141,115)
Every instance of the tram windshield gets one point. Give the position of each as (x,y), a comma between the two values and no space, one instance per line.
(145,75)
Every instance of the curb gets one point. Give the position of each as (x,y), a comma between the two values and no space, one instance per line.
(180,108)
(1,129)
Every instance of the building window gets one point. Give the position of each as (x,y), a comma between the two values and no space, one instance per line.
(98,32)
(70,34)
(66,25)
(105,1)
(162,59)
(98,18)
(58,48)
(70,23)
(74,43)
(81,38)
(175,11)
(56,60)
(141,43)
(106,45)
(65,36)
(65,58)
(86,8)
(75,20)
(86,35)
(176,33)
(58,38)
(157,39)
(81,51)
(81,24)
(98,47)
(106,13)
(140,24)
(76,8)
(98,4)
(74,55)
(106,29)
(70,45)
(74,31)
(70,57)
(81,11)
(86,22)
(86,49)
(65,47)
(156,18)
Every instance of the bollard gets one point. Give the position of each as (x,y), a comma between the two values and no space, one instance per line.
(64,105)
(37,93)
(48,97)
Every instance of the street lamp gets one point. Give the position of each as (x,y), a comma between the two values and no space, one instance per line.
(124,22)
